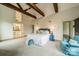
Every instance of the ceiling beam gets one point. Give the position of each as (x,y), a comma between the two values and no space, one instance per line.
(55,7)
(17,9)
(32,5)
(27,9)
(19,6)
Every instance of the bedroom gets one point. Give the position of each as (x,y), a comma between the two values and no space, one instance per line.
(15,25)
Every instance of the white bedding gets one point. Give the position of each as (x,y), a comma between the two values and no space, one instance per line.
(39,39)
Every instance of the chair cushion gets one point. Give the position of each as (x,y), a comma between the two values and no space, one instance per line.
(76,37)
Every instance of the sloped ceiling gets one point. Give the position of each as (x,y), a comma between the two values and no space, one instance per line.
(66,15)
(46,8)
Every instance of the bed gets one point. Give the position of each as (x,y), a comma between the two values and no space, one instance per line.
(40,38)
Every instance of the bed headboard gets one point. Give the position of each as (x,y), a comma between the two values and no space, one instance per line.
(44,30)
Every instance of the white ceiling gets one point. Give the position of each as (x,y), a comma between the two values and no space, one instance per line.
(48,8)
(65,6)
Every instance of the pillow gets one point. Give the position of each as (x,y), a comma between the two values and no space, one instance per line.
(72,41)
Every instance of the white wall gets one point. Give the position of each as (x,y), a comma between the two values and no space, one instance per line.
(56,26)
(27,22)
(7,18)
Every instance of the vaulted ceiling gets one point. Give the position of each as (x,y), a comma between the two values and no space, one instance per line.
(39,10)
(34,10)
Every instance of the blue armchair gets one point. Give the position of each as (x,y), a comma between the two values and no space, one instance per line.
(76,37)
(64,46)
(70,48)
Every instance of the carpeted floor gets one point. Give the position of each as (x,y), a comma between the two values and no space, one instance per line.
(19,48)
(50,49)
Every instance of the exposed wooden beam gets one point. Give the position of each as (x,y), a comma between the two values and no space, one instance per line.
(35,3)
(55,7)
(27,9)
(17,9)
(19,6)
(32,5)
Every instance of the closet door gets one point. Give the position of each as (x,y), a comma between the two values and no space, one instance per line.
(68,29)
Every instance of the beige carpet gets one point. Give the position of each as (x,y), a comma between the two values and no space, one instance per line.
(19,48)
(50,49)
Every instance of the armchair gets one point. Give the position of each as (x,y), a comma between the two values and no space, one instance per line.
(71,47)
